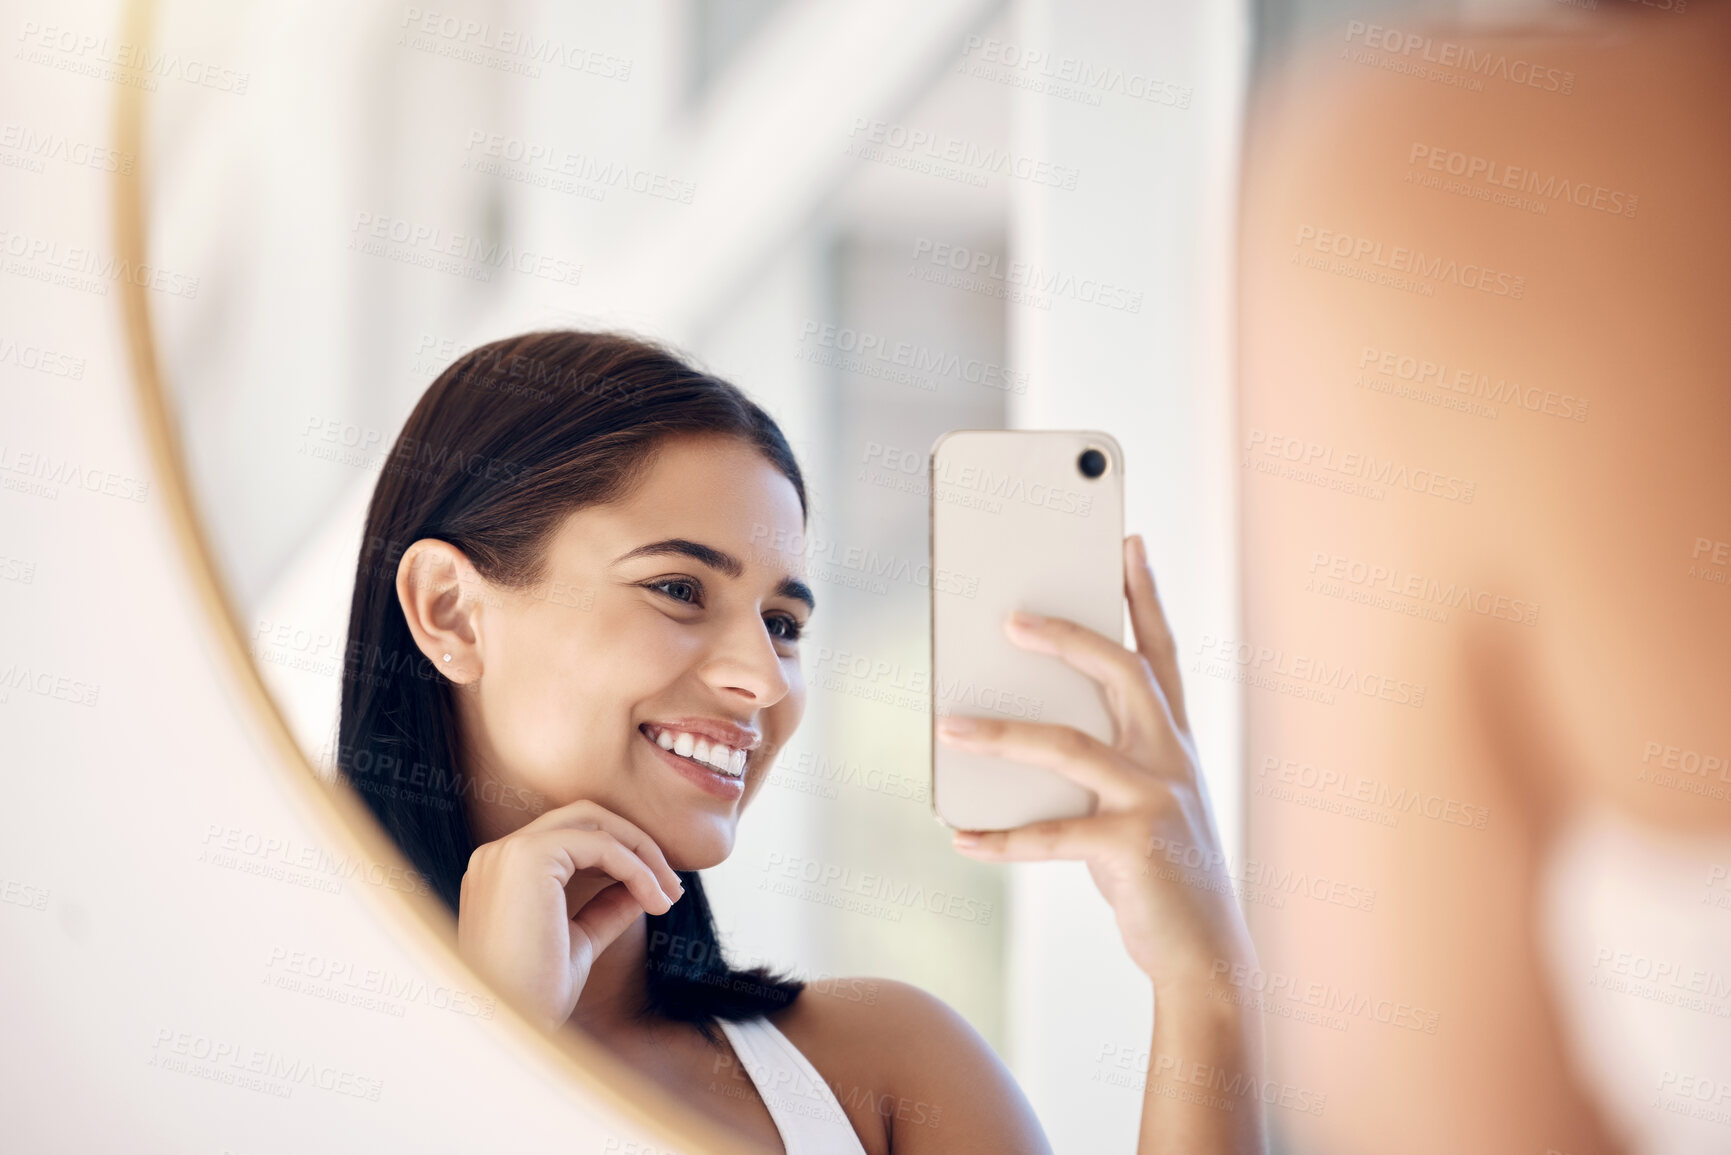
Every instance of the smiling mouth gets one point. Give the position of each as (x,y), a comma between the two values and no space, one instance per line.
(712,756)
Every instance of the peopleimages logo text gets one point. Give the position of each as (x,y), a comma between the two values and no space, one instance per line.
(1400,259)
(1479,63)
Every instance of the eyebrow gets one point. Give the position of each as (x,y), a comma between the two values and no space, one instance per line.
(718,560)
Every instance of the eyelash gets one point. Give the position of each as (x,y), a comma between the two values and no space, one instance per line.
(793,624)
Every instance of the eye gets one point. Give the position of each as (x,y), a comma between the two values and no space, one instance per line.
(792,631)
(663,585)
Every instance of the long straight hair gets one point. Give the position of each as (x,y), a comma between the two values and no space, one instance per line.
(510,438)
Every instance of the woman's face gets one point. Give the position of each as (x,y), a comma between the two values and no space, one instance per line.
(676,610)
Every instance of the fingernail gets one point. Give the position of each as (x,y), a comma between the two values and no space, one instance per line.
(1026,620)
(1139,549)
(957,724)
(966,838)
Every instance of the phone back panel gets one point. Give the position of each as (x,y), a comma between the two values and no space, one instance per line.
(1015,525)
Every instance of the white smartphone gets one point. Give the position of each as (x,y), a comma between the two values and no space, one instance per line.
(1021,520)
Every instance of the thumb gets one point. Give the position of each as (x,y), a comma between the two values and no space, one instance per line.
(1154,639)
(602,920)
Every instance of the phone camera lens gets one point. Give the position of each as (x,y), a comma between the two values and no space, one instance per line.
(1092,463)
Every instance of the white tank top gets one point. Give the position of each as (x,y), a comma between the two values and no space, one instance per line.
(805,1110)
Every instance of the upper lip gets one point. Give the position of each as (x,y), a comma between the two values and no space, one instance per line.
(715,729)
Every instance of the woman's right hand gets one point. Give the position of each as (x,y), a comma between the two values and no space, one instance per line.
(519,928)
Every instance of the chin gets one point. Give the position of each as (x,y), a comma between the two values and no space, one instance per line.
(696,848)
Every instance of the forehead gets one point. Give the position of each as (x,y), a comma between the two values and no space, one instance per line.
(720,491)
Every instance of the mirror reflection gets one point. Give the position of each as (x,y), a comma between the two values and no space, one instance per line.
(559,395)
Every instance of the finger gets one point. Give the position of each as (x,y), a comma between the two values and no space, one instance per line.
(1153,635)
(1058,838)
(574,850)
(1080,757)
(1138,715)
(602,920)
(584,814)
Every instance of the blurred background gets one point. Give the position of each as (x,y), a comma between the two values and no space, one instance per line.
(1403,312)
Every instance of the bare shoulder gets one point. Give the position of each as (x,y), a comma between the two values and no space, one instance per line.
(912,1074)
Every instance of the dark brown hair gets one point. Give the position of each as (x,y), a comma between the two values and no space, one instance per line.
(512,437)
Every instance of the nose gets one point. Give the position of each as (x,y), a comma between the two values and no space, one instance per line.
(744,662)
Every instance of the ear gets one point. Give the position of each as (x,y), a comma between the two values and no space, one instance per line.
(441,593)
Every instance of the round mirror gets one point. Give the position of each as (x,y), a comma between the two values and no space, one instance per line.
(880,223)
(1346,285)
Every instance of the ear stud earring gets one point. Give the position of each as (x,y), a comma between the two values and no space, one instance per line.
(447,657)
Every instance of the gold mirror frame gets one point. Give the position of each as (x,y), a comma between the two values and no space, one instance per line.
(418,921)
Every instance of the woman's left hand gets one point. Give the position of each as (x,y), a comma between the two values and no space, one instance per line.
(1151,844)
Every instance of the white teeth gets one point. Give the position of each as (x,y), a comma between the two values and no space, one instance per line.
(716,755)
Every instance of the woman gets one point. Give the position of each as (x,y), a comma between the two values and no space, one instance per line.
(562,611)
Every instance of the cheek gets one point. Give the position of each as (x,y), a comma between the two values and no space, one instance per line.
(782,719)
(794,703)
(778,723)
(560,686)
(546,692)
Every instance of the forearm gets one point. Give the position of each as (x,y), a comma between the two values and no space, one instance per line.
(1203,1094)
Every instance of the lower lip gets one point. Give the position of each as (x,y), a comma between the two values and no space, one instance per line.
(710,781)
